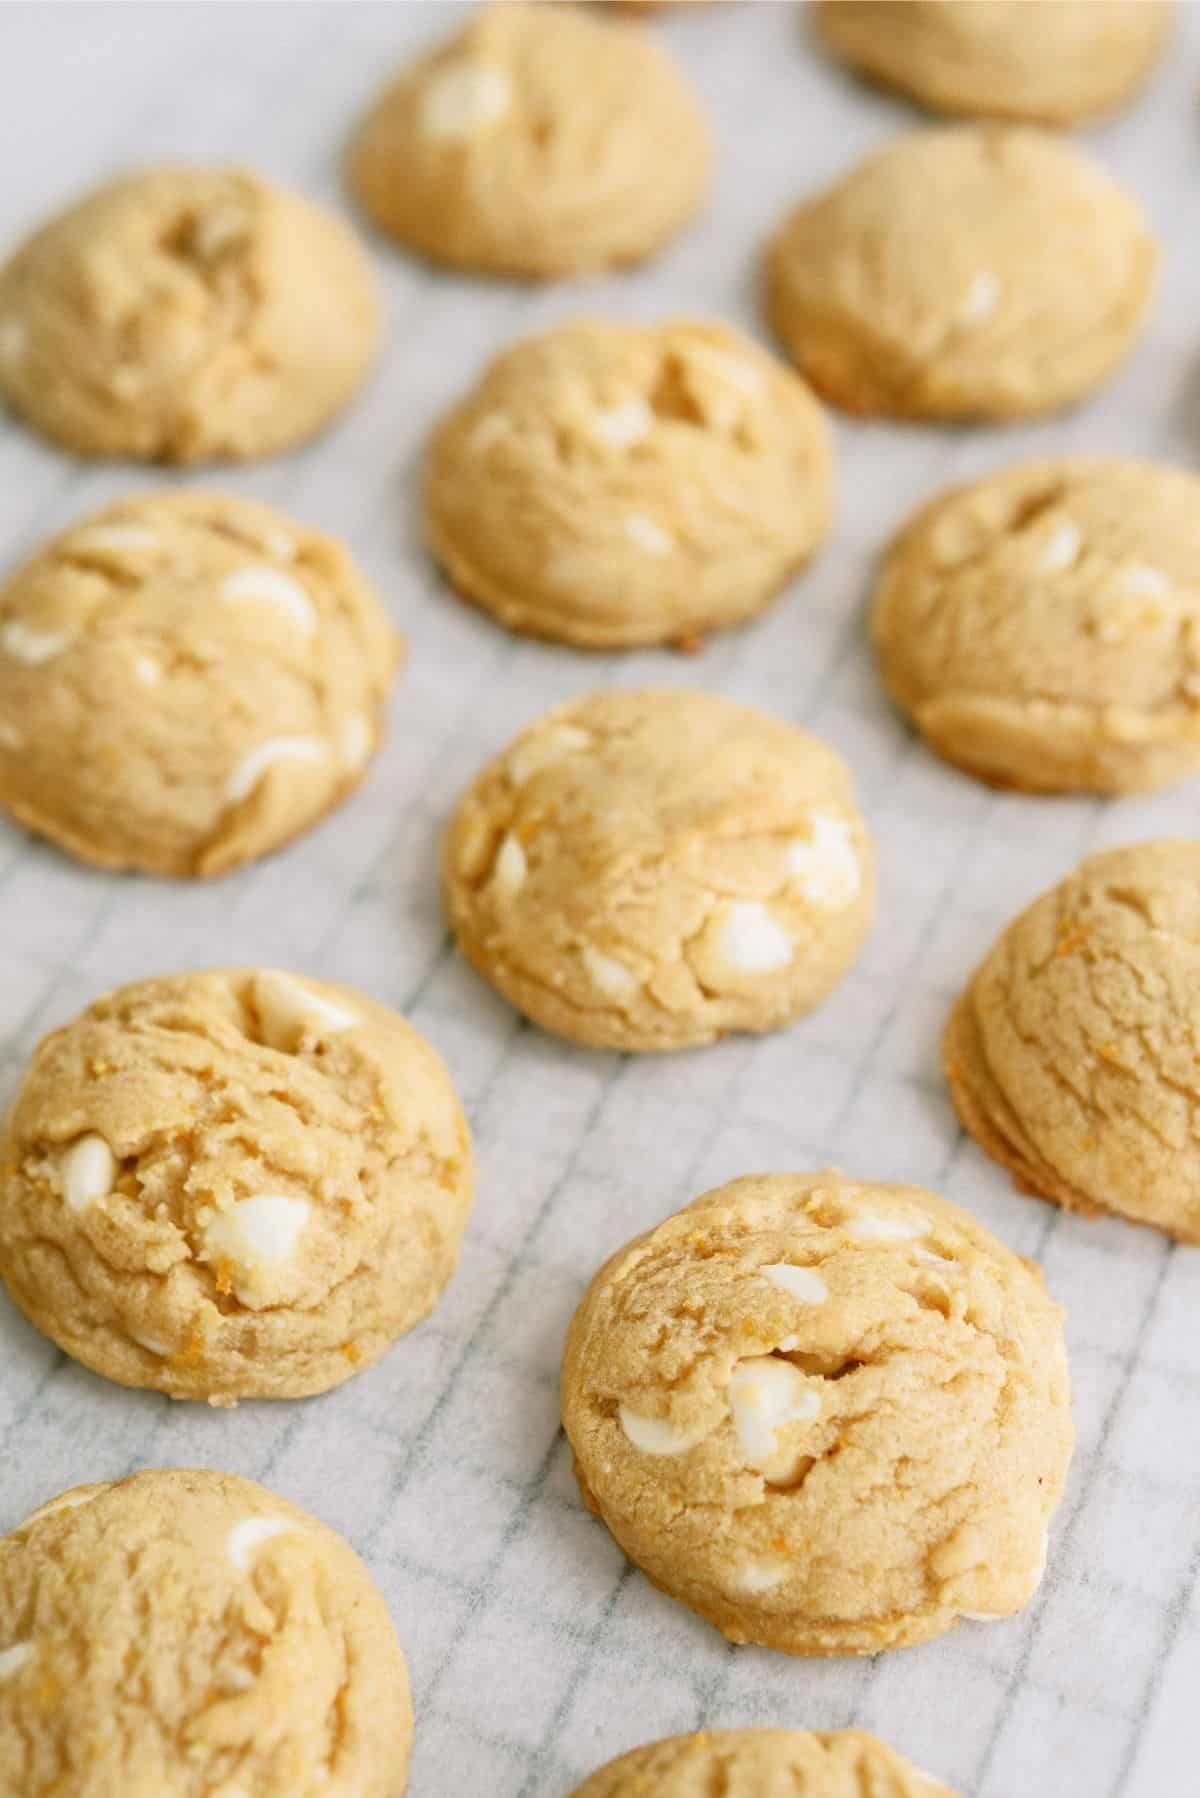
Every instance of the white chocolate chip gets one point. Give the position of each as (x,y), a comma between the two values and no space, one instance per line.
(153,1345)
(752,942)
(868,1227)
(86,1171)
(257,1235)
(249,1535)
(1141,579)
(511,866)
(148,671)
(10,736)
(623,426)
(490,427)
(760,1576)
(543,747)
(803,1283)
(934,1260)
(825,865)
(250,770)
(654,1435)
(112,538)
(734,369)
(268,586)
(647,535)
(25,644)
(1062,549)
(463,98)
(14,337)
(357,741)
(981,297)
(610,975)
(766,1393)
(14,1658)
(287,1007)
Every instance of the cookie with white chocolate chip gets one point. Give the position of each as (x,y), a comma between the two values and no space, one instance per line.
(654,869)
(234,1184)
(830,1415)
(187,681)
(1041,626)
(608,485)
(962,272)
(522,146)
(191,1633)
(763,1763)
(185,314)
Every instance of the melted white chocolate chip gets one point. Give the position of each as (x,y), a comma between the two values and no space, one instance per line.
(251,768)
(654,1435)
(752,942)
(647,535)
(543,748)
(87,1169)
(511,866)
(982,296)
(247,1536)
(765,1394)
(463,98)
(825,865)
(14,1658)
(610,975)
(26,644)
(148,671)
(803,1283)
(623,426)
(258,1235)
(760,1576)
(868,1227)
(1063,548)
(267,586)
(287,1007)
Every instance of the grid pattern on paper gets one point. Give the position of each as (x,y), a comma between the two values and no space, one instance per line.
(536,1653)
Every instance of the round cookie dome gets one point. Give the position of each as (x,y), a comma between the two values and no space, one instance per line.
(831,1416)
(181,315)
(1054,63)
(234,1184)
(763,1763)
(1071,1056)
(962,272)
(192,1633)
(522,146)
(611,485)
(186,682)
(1042,626)
(654,869)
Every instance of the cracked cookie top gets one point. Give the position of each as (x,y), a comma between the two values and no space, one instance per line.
(830,1415)
(190,1633)
(181,315)
(1073,1056)
(608,485)
(186,682)
(521,146)
(240,1183)
(653,869)
(763,1763)
(1042,625)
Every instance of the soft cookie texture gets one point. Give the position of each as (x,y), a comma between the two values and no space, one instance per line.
(763,1763)
(186,682)
(1042,626)
(1052,63)
(235,1184)
(181,315)
(184,1634)
(1072,1056)
(830,1415)
(962,272)
(654,869)
(611,485)
(522,146)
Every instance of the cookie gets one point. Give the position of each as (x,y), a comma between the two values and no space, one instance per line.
(830,1415)
(1071,1057)
(186,682)
(190,1633)
(181,315)
(1054,63)
(763,1763)
(964,272)
(653,869)
(1041,626)
(521,146)
(610,485)
(235,1184)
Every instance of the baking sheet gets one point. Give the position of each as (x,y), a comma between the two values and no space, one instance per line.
(535,1652)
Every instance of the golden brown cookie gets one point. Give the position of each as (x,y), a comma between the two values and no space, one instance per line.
(1072,1055)
(830,1415)
(537,142)
(611,485)
(235,1184)
(962,272)
(1052,63)
(178,315)
(184,1634)
(186,682)
(763,1763)
(1041,626)
(654,869)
